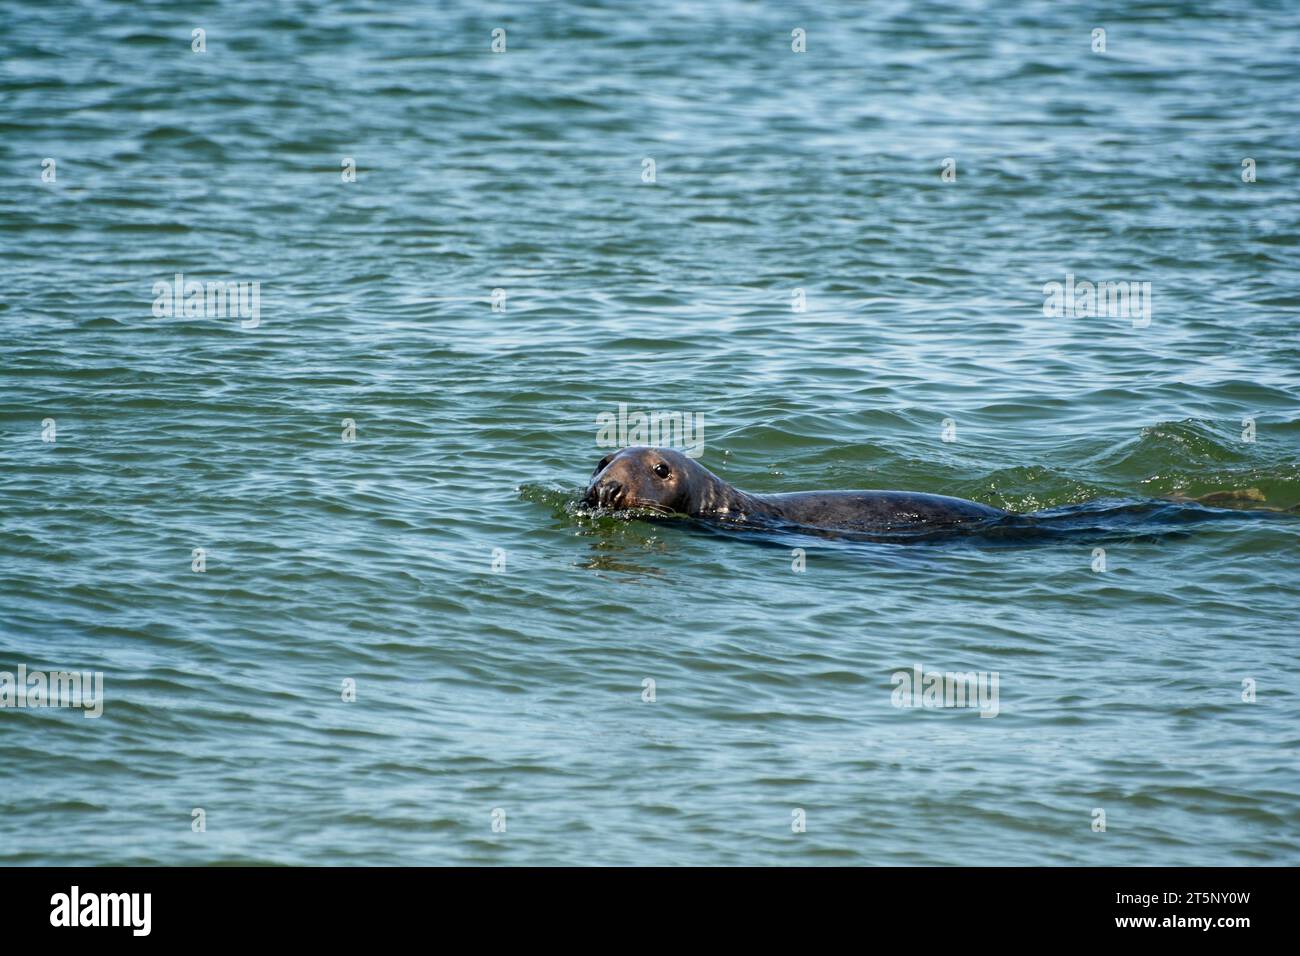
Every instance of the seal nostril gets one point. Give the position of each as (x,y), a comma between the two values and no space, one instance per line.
(610,493)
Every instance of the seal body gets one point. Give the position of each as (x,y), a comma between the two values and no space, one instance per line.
(667,482)
(874,510)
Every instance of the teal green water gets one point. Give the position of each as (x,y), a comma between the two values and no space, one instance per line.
(515,696)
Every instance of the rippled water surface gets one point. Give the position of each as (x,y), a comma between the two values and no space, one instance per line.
(516,696)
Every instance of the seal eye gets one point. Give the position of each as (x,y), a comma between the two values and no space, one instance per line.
(663,471)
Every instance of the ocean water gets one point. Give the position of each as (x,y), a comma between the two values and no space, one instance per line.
(500,639)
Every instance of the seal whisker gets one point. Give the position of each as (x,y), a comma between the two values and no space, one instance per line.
(650,506)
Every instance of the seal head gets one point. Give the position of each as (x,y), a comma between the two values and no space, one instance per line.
(658,479)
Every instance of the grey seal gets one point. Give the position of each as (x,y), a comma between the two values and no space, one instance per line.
(666,482)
